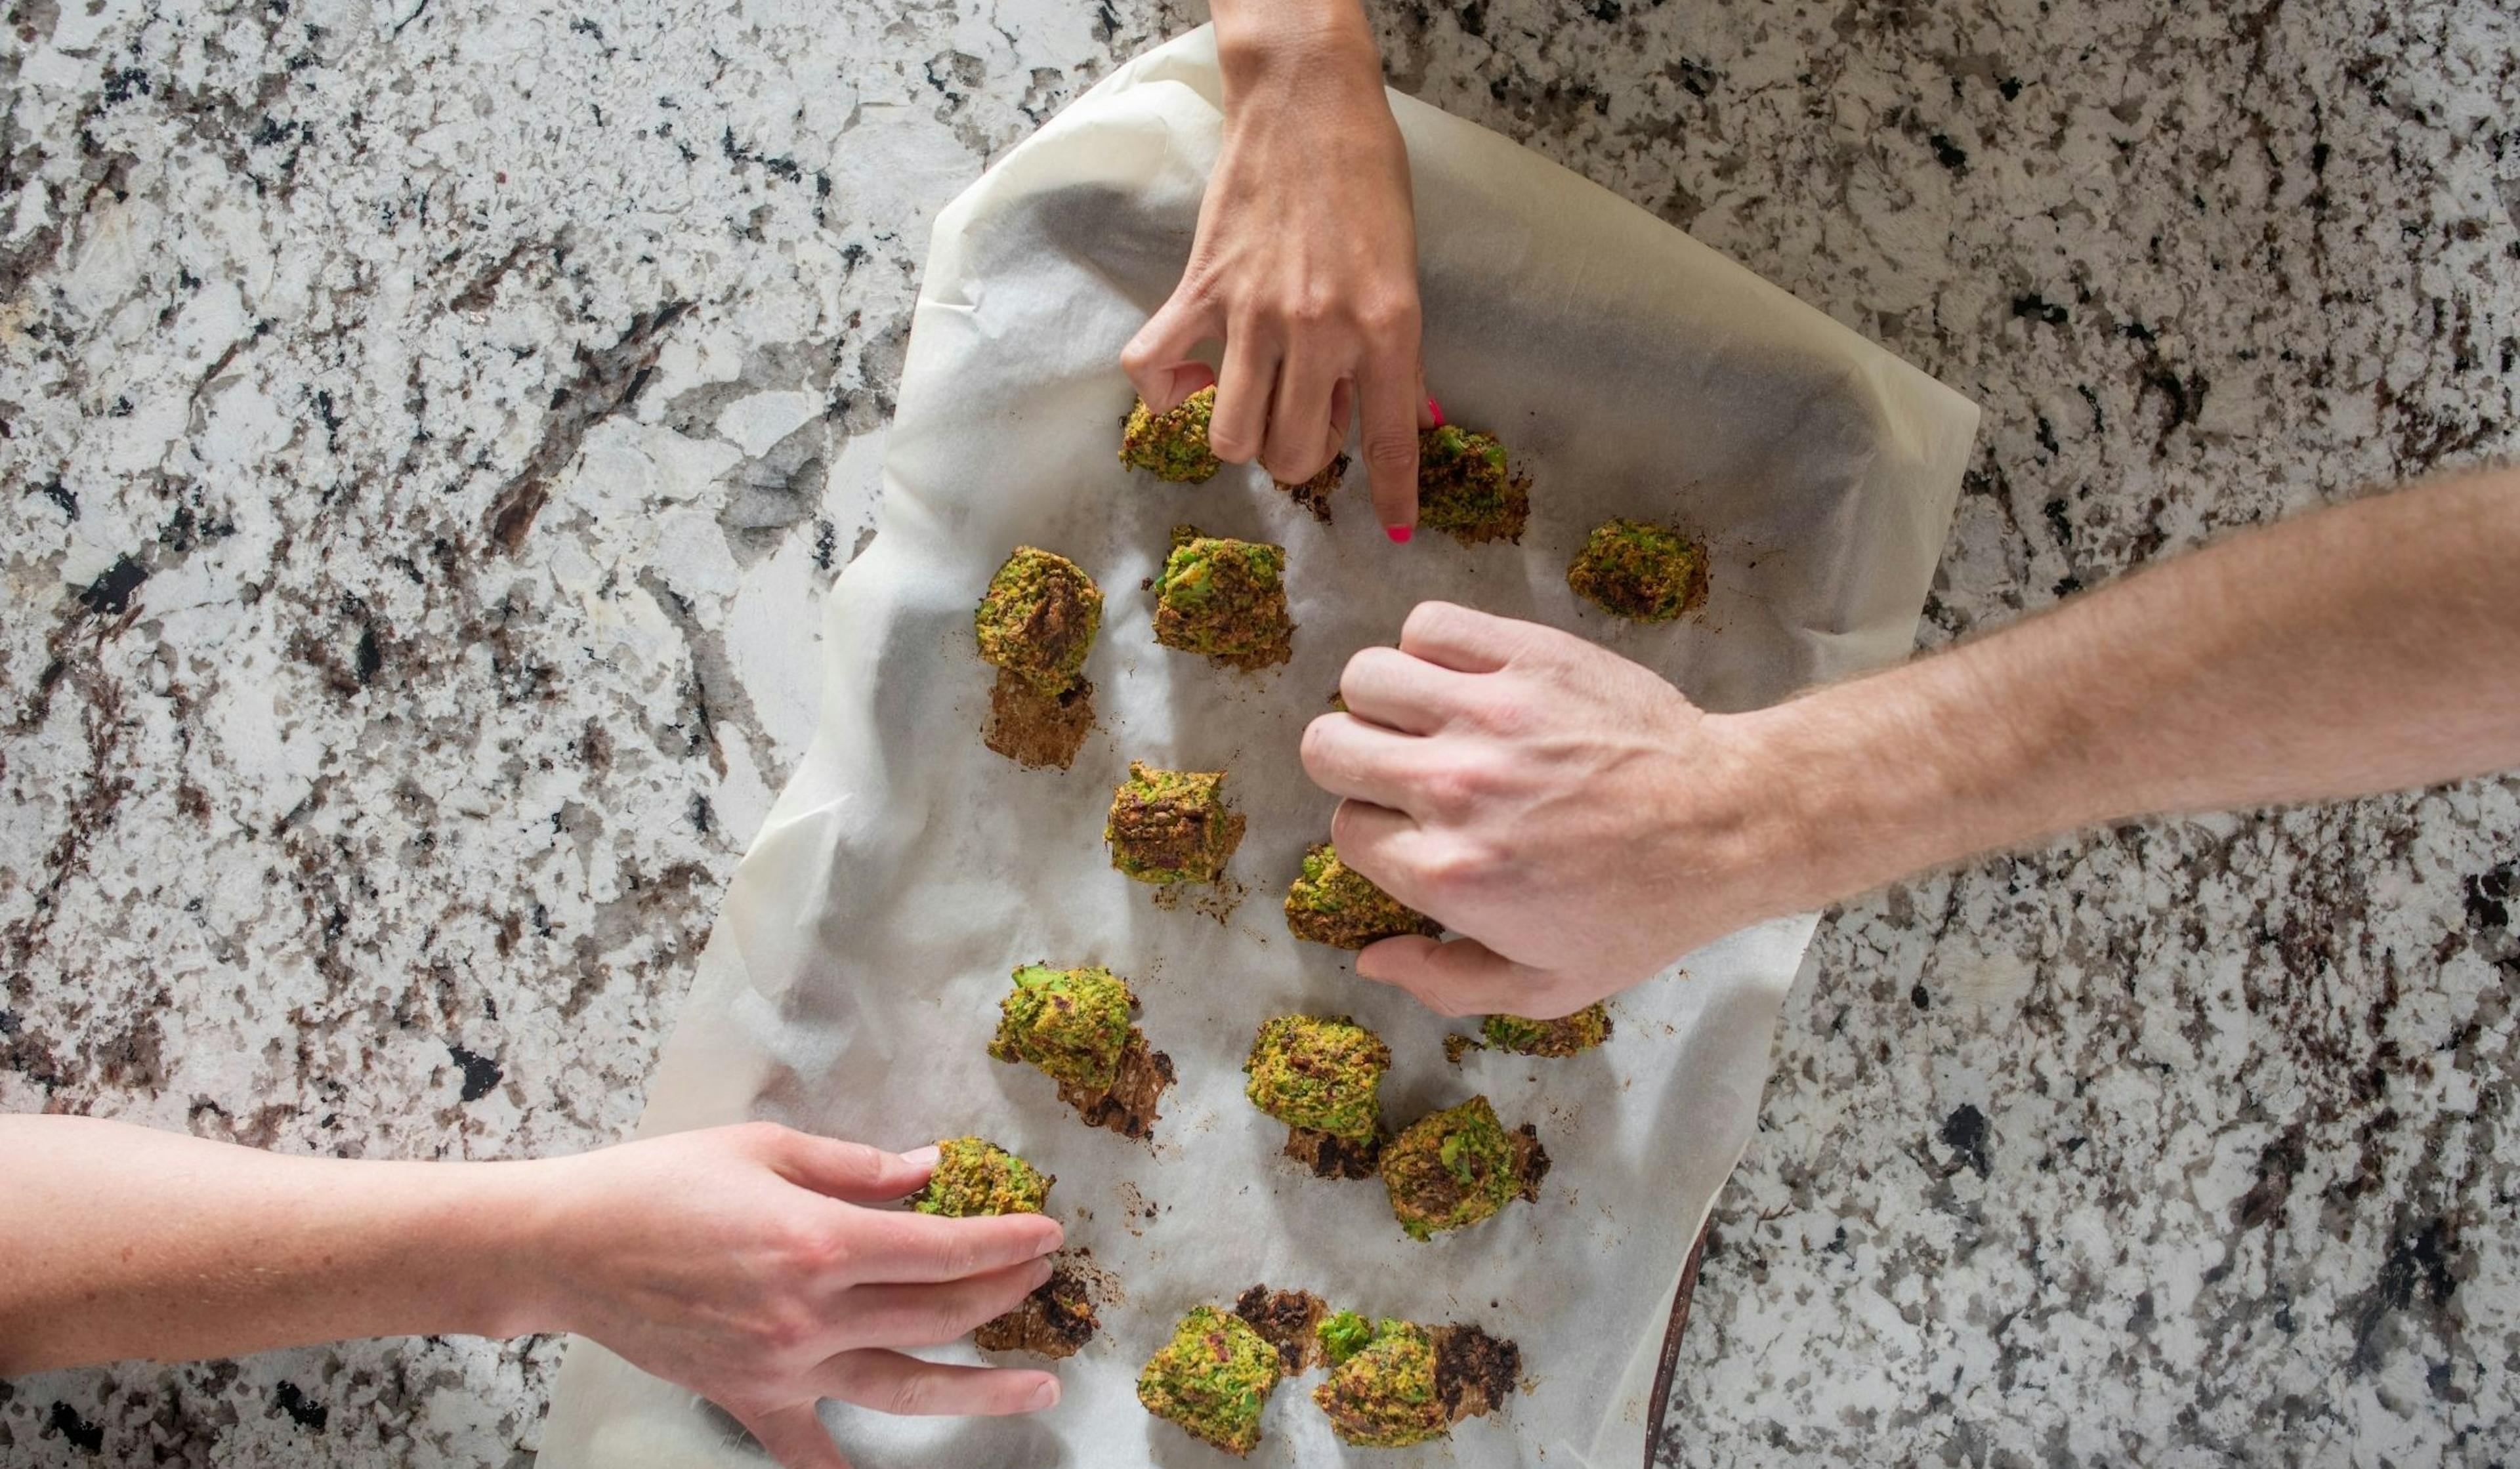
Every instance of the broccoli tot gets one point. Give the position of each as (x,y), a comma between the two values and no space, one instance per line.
(1071,1023)
(1639,570)
(1037,619)
(1212,1378)
(1225,599)
(1321,1074)
(1466,488)
(1172,445)
(976,1176)
(1332,903)
(1568,1036)
(1382,1395)
(1454,1168)
(1171,826)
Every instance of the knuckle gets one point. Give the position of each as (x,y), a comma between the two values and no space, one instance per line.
(783,1330)
(1389,313)
(913,1393)
(1430,620)
(1311,311)
(812,1253)
(1456,786)
(1499,711)
(1391,450)
(1455,869)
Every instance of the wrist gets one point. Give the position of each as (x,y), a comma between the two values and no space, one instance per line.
(1867,781)
(1262,43)
(505,1233)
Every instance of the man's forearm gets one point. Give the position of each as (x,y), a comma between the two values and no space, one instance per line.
(2369,648)
(119,1241)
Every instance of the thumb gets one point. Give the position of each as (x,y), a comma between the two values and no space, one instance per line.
(794,1436)
(849,1171)
(1453,977)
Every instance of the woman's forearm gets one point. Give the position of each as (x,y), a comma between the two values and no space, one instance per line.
(121,1241)
(2369,648)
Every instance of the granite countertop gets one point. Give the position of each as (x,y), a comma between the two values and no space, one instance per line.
(427,427)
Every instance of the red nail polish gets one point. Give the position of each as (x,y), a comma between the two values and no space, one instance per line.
(1399,534)
(1435,411)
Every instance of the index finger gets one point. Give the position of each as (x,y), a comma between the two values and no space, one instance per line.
(1462,639)
(922,1249)
(1388,397)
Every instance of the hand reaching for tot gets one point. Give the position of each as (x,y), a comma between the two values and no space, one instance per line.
(744,1262)
(1570,814)
(1305,264)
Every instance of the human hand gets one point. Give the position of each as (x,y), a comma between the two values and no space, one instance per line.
(1305,264)
(1576,820)
(744,1262)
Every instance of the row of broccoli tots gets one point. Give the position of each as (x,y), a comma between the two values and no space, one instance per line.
(1391,1383)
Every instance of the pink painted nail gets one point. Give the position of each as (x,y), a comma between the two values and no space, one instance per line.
(1435,411)
(1399,534)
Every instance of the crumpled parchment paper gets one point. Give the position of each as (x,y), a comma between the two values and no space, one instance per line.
(854,974)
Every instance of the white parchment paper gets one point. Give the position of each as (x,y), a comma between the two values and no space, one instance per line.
(854,974)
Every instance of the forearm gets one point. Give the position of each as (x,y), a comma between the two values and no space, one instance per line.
(121,1241)
(2367,647)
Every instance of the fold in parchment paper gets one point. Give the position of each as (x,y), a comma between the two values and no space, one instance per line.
(853,978)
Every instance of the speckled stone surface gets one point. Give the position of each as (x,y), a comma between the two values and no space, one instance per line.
(429,425)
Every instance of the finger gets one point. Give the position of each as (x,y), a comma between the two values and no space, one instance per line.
(1377,841)
(1387,395)
(1158,358)
(1243,390)
(795,1437)
(1399,691)
(1363,762)
(1343,409)
(1455,977)
(1298,440)
(890,1383)
(1462,639)
(849,1171)
(914,1249)
(927,1315)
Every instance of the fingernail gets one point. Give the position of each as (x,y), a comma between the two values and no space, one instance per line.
(923,1157)
(1435,411)
(1399,534)
(1046,1395)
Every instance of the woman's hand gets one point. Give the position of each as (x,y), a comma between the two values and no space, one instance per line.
(1577,820)
(1305,264)
(746,1264)
(742,1261)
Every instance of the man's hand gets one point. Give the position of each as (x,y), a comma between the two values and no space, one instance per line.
(746,1264)
(1582,825)
(1568,812)
(1306,260)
